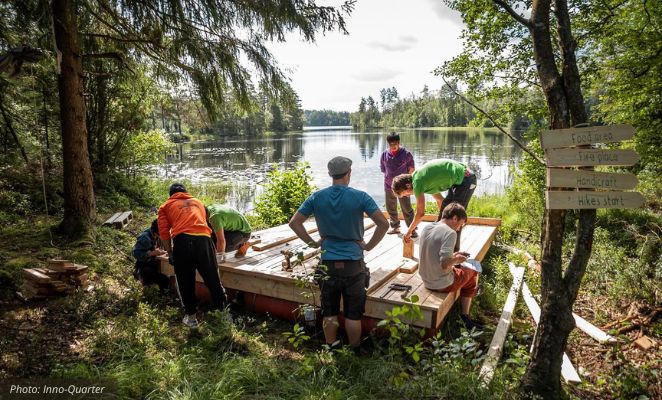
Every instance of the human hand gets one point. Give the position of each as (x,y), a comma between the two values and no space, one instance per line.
(407,237)
(220,257)
(362,244)
(460,256)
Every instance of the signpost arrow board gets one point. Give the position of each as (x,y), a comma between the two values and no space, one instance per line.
(582,136)
(589,179)
(570,200)
(590,157)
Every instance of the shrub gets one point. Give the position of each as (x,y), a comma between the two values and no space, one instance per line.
(283,194)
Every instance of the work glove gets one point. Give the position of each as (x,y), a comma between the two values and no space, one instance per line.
(220,257)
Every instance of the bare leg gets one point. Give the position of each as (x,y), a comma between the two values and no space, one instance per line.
(330,327)
(353,328)
(465,304)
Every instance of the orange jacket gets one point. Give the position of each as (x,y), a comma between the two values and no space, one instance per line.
(182,213)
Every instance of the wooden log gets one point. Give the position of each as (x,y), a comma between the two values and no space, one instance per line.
(496,346)
(568,372)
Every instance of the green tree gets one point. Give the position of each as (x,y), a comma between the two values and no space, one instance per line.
(199,42)
(500,45)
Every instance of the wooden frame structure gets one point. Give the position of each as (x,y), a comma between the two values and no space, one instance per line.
(261,271)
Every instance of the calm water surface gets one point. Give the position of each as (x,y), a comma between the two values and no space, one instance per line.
(243,162)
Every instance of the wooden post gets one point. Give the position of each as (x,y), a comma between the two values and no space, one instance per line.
(408,249)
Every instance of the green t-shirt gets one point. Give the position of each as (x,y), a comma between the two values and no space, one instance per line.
(221,216)
(437,176)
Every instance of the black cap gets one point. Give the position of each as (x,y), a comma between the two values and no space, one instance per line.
(176,188)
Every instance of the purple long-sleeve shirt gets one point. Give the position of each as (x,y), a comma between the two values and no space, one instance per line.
(393,166)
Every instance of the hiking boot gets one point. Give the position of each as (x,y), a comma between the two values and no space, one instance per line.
(470,324)
(191,321)
(393,231)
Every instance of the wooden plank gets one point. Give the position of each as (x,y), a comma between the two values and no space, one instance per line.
(582,136)
(592,330)
(590,157)
(567,370)
(571,178)
(408,249)
(112,219)
(35,276)
(566,200)
(499,338)
(287,236)
(470,220)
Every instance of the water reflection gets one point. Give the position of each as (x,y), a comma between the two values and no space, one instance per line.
(245,161)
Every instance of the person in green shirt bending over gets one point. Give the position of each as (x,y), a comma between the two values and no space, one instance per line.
(231,228)
(434,177)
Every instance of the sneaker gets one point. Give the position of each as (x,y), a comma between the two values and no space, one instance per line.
(470,324)
(394,231)
(191,321)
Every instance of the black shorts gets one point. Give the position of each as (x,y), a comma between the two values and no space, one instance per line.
(351,288)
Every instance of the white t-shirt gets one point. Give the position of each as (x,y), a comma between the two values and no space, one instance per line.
(437,242)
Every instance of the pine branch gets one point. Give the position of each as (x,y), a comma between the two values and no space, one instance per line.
(513,138)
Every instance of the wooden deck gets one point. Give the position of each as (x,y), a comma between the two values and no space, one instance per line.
(261,271)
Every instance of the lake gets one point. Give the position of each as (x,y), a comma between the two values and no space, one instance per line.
(243,162)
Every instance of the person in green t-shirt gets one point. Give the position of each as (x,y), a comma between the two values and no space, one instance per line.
(232,230)
(434,177)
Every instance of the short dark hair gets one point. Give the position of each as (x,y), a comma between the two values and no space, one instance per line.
(400,183)
(155,226)
(393,137)
(176,188)
(454,210)
(336,177)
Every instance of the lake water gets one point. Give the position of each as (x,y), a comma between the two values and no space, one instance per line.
(243,162)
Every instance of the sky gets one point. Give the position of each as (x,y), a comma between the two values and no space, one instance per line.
(390,43)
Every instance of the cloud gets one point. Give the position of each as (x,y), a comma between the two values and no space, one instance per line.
(444,13)
(402,43)
(376,75)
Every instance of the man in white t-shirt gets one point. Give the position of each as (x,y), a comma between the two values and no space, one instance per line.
(439,264)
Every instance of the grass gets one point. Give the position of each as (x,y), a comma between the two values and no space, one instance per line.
(134,337)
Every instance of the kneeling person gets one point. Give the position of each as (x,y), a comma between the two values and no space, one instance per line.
(145,252)
(232,230)
(438,265)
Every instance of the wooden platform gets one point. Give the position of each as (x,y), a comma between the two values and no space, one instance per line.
(261,272)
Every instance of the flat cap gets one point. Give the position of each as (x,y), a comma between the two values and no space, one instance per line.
(339,165)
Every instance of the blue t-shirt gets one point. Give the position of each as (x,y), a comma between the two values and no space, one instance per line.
(338,212)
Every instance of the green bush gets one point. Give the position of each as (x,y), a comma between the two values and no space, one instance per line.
(283,194)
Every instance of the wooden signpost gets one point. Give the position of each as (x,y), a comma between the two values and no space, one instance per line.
(560,151)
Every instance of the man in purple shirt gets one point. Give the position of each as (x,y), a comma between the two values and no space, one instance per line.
(394,161)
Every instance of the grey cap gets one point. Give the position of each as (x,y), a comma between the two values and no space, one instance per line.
(339,165)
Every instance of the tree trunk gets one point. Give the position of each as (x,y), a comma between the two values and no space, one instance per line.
(79,202)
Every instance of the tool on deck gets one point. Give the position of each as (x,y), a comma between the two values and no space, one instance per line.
(398,287)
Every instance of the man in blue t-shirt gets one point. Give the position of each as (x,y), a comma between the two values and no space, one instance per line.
(338,211)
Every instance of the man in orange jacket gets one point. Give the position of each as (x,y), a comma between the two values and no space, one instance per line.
(182,219)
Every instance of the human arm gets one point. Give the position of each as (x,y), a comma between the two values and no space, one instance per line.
(382,166)
(439,199)
(456,258)
(164,229)
(142,249)
(296,224)
(420,212)
(220,240)
(410,164)
(380,230)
